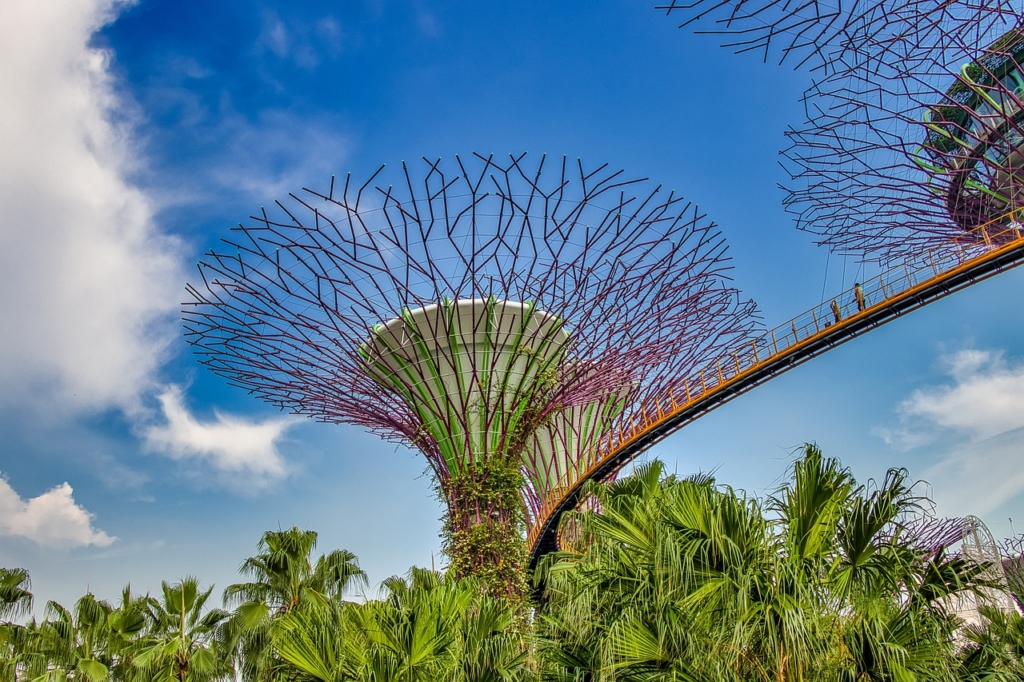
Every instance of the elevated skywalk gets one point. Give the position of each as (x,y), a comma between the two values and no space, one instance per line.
(991,249)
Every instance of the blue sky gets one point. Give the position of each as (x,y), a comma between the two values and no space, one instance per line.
(136,135)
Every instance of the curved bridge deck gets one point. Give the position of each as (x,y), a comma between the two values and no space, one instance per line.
(897,291)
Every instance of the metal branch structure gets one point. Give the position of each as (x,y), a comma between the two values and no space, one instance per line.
(918,141)
(808,33)
(915,125)
(823,36)
(903,158)
(489,313)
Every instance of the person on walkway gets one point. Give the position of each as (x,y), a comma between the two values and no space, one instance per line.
(859,295)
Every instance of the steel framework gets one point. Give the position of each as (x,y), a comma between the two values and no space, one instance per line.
(919,142)
(914,124)
(475,310)
(904,159)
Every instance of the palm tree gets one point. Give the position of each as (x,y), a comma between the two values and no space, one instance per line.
(21,657)
(183,643)
(89,643)
(679,579)
(995,650)
(92,642)
(425,628)
(15,599)
(284,577)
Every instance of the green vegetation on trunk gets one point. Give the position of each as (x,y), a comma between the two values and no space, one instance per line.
(483,534)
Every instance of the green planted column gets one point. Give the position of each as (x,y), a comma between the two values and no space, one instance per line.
(478,374)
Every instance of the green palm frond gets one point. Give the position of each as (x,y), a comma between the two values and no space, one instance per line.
(15,598)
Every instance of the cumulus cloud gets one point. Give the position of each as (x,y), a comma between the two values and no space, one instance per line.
(52,519)
(976,421)
(228,444)
(91,284)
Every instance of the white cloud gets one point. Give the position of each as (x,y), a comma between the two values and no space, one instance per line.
(985,399)
(91,286)
(976,420)
(228,444)
(52,519)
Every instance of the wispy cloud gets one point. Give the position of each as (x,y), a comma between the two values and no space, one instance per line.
(228,444)
(238,161)
(975,422)
(276,153)
(52,519)
(427,23)
(303,43)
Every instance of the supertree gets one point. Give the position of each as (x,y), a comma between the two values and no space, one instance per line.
(499,316)
(914,128)
(915,145)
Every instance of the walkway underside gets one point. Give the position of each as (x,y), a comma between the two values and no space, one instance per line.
(897,291)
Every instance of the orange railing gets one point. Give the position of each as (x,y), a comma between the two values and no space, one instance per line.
(837,318)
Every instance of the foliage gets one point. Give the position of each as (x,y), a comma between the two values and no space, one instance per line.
(91,640)
(667,579)
(484,528)
(283,577)
(15,599)
(182,644)
(424,629)
(680,579)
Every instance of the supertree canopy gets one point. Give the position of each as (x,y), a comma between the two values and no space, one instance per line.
(914,143)
(499,316)
(972,149)
(914,123)
(816,34)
